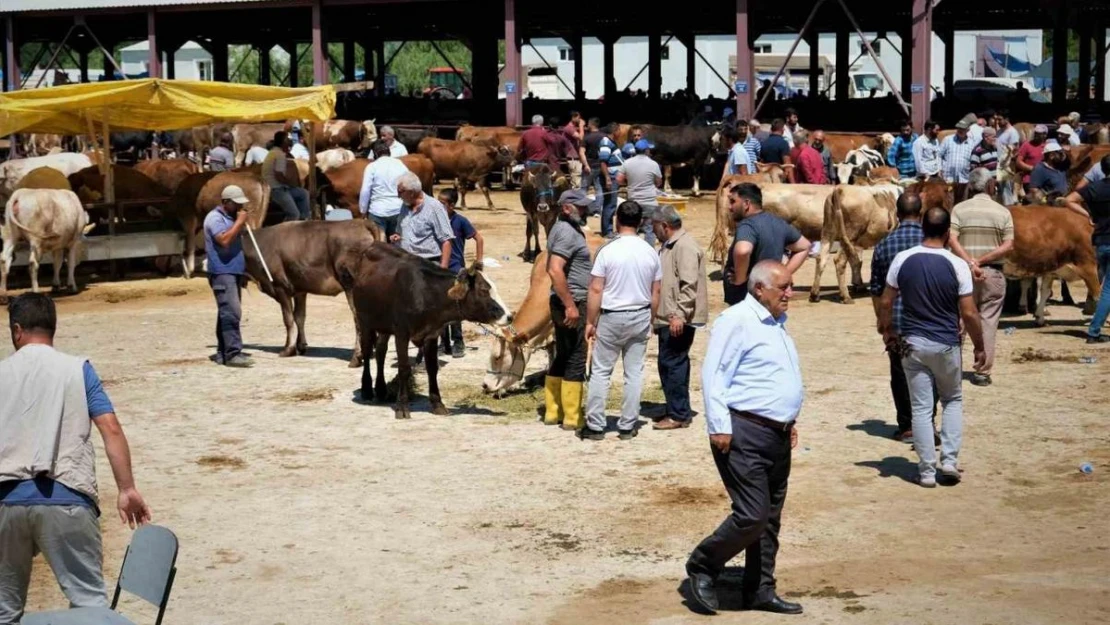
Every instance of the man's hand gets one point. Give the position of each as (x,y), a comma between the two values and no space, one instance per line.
(572,317)
(980,358)
(720,442)
(793,437)
(393,238)
(677,326)
(132,509)
(591,331)
(241,216)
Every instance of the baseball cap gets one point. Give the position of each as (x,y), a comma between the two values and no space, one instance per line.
(1065,129)
(753,122)
(962,124)
(1052,146)
(970,118)
(1040,129)
(667,215)
(989,132)
(644,144)
(628,149)
(235,194)
(574,197)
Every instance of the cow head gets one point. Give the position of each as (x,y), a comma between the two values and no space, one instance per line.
(369,134)
(507,361)
(503,156)
(885,141)
(542,182)
(858,162)
(477,297)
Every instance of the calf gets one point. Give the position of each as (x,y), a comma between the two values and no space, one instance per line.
(423,299)
(466,162)
(539,191)
(682,146)
(857,217)
(858,162)
(302,257)
(52,220)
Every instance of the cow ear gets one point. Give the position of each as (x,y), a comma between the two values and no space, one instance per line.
(458,290)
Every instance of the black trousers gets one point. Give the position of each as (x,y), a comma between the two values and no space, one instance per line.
(674,370)
(569,362)
(734,294)
(755,472)
(900,391)
(452,333)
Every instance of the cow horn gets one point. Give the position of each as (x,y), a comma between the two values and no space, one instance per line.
(459,289)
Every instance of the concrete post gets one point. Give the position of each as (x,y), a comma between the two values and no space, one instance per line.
(514,111)
(319,58)
(154,57)
(744,62)
(919,48)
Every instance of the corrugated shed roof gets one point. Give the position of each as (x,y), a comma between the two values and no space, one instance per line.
(17,6)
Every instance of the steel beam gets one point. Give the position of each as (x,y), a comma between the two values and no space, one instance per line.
(439,51)
(1083,88)
(948,37)
(319,62)
(690,43)
(789,55)
(875,57)
(919,48)
(842,68)
(608,64)
(813,39)
(575,41)
(1100,62)
(264,69)
(655,66)
(514,111)
(550,66)
(744,62)
(349,60)
(154,57)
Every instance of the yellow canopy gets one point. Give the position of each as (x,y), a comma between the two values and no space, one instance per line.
(156,104)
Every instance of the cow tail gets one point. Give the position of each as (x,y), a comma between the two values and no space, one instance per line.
(836,205)
(40,235)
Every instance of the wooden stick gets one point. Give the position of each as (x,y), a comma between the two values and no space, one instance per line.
(261,259)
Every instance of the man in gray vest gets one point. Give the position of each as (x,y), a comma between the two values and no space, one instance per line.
(48,494)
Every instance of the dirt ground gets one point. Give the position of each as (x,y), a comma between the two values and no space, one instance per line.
(296,503)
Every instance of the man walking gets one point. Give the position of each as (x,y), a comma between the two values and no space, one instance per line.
(282,176)
(227,268)
(937,292)
(683,308)
(808,166)
(568,265)
(982,235)
(955,158)
(623,298)
(752,387)
(48,490)
(378,198)
(907,235)
(1096,197)
(759,236)
(534,147)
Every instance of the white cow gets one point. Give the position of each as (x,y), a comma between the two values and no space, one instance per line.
(52,220)
(335,157)
(11,172)
(858,162)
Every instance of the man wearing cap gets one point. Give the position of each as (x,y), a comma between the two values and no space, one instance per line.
(1065,135)
(986,153)
(746,131)
(683,307)
(974,128)
(568,265)
(227,268)
(1049,175)
(926,151)
(955,158)
(643,178)
(1031,153)
(622,300)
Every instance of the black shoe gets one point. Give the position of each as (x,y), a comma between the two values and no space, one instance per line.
(458,351)
(1102,338)
(627,435)
(778,606)
(704,592)
(587,434)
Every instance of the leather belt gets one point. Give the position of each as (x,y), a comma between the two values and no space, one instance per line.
(632,310)
(764,421)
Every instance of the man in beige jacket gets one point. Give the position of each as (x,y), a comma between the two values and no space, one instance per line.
(683,307)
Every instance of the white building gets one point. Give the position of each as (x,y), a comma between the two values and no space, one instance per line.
(190,62)
(1020,47)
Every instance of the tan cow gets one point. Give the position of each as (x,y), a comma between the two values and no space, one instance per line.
(725,225)
(335,157)
(841,143)
(340,187)
(199,193)
(857,217)
(52,220)
(800,205)
(247,136)
(11,172)
(342,133)
(466,162)
(167,172)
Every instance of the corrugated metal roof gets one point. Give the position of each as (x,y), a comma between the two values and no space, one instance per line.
(17,6)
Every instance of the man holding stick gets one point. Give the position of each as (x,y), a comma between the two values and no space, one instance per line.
(227,267)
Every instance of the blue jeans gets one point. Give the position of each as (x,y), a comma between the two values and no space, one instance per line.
(229,341)
(1103,309)
(593,181)
(609,208)
(388,225)
(293,202)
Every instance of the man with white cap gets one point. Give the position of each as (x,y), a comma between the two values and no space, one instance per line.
(227,267)
(974,130)
(1066,135)
(1049,175)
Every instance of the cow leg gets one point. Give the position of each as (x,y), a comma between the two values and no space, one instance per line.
(33,267)
(356,356)
(461,186)
(1089,275)
(431,365)
(1023,300)
(667,179)
(6,253)
(367,389)
(71,265)
(58,255)
(300,307)
(381,347)
(404,374)
(529,225)
(697,185)
(819,268)
(841,264)
(483,184)
(189,254)
(1042,300)
(286,303)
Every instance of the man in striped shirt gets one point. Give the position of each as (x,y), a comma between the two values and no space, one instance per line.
(986,153)
(748,140)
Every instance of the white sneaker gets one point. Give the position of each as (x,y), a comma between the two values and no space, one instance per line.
(951,472)
(928,481)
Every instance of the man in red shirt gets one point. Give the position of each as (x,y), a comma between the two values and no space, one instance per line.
(534,147)
(575,132)
(1031,153)
(808,166)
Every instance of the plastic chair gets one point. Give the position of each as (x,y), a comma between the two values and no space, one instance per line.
(148,571)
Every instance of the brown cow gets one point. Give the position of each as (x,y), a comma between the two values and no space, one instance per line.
(466,162)
(531,329)
(539,194)
(44,178)
(341,133)
(129,184)
(247,136)
(505,136)
(340,187)
(1082,158)
(302,257)
(199,193)
(857,217)
(934,192)
(840,143)
(168,172)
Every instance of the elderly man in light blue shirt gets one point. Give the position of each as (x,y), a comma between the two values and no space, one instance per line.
(752,386)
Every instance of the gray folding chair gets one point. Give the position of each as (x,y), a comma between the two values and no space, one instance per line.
(148,572)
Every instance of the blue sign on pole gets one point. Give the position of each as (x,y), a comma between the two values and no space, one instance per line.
(741,86)
(510,87)
(917,88)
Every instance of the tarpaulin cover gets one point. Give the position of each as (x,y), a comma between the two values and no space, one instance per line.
(156,104)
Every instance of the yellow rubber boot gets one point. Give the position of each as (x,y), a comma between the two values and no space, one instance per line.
(572,405)
(552,389)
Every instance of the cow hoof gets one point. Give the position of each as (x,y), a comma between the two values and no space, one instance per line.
(814,297)
(367,394)
(355,363)
(847,300)
(1040,323)
(440,410)
(381,393)
(401,413)
(287,352)
(302,349)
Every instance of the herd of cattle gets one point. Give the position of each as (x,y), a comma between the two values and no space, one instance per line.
(47,194)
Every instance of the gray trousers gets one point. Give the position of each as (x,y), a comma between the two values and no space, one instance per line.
(68,537)
(624,335)
(229,311)
(293,202)
(930,362)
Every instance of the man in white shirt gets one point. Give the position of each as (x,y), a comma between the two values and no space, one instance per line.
(378,199)
(396,148)
(926,151)
(739,161)
(623,298)
(256,154)
(1066,135)
(752,387)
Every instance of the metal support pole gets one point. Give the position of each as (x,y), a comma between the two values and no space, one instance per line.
(842,67)
(948,37)
(11,56)
(655,66)
(380,66)
(319,63)
(154,57)
(608,63)
(83,64)
(264,70)
(1100,63)
(645,65)
(812,40)
(744,63)
(875,57)
(439,51)
(53,57)
(514,108)
(220,60)
(1083,88)
(789,55)
(919,48)
(906,56)
(691,43)
(575,42)
(561,81)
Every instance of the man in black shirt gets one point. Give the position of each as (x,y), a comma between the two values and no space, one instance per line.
(775,149)
(1096,196)
(759,236)
(594,178)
